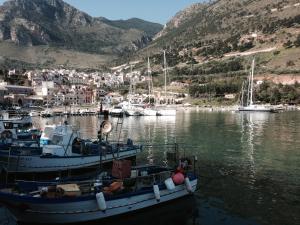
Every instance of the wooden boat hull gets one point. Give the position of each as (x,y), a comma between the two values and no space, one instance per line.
(78,210)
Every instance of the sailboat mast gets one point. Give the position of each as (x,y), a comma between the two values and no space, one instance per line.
(252,76)
(130,91)
(149,80)
(248,88)
(242,97)
(165,73)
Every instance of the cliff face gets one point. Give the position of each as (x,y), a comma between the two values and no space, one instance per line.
(180,18)
(56,23)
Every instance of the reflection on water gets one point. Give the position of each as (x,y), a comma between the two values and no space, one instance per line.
(252,125)
(250,161)
(181,212)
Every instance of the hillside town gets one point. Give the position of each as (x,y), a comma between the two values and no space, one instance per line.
(58,87)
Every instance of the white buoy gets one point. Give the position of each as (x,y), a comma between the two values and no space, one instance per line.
(170,184)
(101,201)
(156,192)
(188,184)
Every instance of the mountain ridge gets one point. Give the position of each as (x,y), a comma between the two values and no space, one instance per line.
(222,29)
(60,25)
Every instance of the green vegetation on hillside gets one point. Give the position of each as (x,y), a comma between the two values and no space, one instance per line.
(149,28)
(212,67)
(216,88)
(269,92)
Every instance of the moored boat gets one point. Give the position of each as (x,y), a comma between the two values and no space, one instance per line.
(63,203)
(132,110)
(166,112)
(117,111)
(61,149)
(248,105)
(150,112)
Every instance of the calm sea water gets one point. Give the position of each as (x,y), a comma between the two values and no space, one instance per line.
(248,164)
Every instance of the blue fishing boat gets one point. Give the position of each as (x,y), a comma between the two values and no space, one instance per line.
(94,200)
(61,149)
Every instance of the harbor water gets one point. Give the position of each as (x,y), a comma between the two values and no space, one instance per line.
(248,164)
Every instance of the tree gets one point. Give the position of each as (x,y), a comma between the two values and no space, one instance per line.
(288,44)
(276,96)
(297,42)
(290,63)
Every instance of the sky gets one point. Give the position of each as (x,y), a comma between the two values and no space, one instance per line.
(159,11)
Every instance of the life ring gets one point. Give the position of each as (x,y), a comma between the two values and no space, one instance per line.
(6,134)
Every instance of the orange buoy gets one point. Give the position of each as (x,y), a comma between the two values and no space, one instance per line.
(178,178)
(115,186)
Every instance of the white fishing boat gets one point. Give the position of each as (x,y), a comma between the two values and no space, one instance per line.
(91,201)
(60,150)
(249,105)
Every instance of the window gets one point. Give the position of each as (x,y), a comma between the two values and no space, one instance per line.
(56,139)
(8,126)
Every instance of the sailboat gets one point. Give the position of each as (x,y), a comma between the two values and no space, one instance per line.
(166,111)
(129,107)
(148,111)
(250,106)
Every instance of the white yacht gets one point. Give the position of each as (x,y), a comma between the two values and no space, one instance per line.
(117,111)
(249,105)
(165,110)
(150,111)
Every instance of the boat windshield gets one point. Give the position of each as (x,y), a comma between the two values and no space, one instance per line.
(56,139)
(48,132)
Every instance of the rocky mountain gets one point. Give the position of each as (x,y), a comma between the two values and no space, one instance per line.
(228,27)
(183,16)
(57,24)
(215,42)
